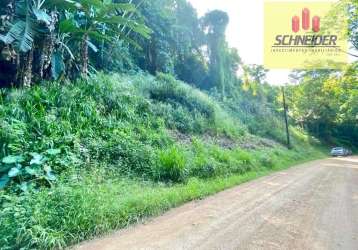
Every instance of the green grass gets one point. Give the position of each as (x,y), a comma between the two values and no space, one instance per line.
(115,162)
(95,205)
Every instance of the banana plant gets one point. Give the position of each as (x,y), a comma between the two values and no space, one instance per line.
(32,22)
(98,22)
(55,28)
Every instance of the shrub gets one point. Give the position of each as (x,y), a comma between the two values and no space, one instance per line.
(171,165)
(29,170)
(212,160)
(167,89)
(187,109)
(204,167)
(266,161)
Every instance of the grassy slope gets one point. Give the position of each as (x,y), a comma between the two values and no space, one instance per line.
(119,160)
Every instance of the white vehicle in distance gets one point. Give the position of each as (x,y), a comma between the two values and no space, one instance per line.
(340,151)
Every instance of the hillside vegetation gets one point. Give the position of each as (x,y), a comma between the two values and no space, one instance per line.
(115,149)
(65,40)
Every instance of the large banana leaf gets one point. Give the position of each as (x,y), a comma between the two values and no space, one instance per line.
(42,16)
(131,24)
(27,39)
(31,21)
(14,33)
(92,46)
(22,33)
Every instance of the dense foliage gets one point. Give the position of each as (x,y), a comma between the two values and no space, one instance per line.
(116,149)
(51,38)
(100,121)
(326,104)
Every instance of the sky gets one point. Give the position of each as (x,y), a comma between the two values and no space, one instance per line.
(245,31)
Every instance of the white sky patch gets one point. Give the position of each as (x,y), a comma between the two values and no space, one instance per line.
(245,30)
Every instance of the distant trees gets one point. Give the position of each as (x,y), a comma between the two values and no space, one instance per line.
(192,48)
(176,44)
(215,23)
(344,11)
(326,103)
(352,7)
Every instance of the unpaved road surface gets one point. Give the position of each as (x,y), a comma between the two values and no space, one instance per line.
(312,206)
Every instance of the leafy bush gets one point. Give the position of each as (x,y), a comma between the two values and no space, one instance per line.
(28,173)
(170,90)
(266,161)
(188,109)
(257,114)
(204,165)
(171,165)
(211,160)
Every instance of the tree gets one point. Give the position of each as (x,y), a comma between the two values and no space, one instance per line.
(344,11)
(254,76)
(190,65)
(158,52)
(325,103)
(214,24)
(352,9)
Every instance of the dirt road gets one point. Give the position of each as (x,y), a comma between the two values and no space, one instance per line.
(312,206)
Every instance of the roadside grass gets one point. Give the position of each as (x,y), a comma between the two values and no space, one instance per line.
(96,204)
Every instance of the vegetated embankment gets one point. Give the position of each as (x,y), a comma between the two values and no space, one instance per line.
(83,159)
